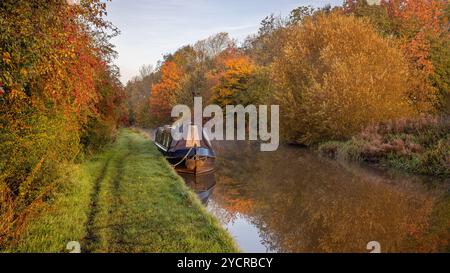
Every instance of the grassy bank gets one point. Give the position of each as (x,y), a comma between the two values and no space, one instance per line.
(126,199)
(420,146)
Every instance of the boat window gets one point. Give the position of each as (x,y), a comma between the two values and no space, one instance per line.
(167,140)
(170,140)
(158,136)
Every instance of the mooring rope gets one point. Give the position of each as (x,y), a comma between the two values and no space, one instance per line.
(184,157)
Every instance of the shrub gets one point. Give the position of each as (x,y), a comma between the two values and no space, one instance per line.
(55,75)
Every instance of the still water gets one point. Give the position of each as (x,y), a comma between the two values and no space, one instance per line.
(293,200)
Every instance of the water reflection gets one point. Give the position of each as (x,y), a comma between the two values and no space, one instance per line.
(294,201)
(203,185)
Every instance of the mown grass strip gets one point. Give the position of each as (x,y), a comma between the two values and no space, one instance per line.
(140,205)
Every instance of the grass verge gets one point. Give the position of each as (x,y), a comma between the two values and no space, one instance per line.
(125,199)
(420,146)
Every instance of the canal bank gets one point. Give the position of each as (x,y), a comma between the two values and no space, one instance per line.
(125,199)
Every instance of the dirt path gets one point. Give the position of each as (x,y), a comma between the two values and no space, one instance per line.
(91,236)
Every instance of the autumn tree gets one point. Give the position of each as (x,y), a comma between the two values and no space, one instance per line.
(182,75)
(422,29)
(440,57)
(138,94)
(212,46)
(233,78)
(164,94)
(336,75)
(193,68)
(418,21)
(263,47)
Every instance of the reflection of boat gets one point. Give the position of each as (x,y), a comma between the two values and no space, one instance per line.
(190,155)
(203,185)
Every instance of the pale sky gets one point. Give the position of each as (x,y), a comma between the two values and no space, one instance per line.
(151,28)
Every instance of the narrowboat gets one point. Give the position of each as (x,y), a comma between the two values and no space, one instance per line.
(192,155)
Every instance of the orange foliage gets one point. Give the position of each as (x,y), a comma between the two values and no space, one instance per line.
(419,21)
(232,77)
(70,75)
(164,94)
(418,15)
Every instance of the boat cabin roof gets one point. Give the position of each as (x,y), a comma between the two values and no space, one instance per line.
(164,138)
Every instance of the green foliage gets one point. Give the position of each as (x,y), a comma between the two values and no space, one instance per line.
(96,134)
(267,45)
(377,14)
(440,56)
(259,88)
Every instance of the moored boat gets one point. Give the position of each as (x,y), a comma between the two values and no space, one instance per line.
(192,155)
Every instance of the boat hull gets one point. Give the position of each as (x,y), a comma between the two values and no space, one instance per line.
(192,160)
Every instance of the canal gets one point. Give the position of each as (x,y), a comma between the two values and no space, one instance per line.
(293,200)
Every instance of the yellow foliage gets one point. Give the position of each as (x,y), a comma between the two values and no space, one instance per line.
(336,75)
(233,78)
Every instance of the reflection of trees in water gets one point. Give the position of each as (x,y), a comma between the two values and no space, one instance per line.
(237,196)
(437,238)
(302,203)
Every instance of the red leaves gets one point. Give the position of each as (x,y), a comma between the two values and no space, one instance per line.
(418,15)
(419,21)
(415,22)
(418,50)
